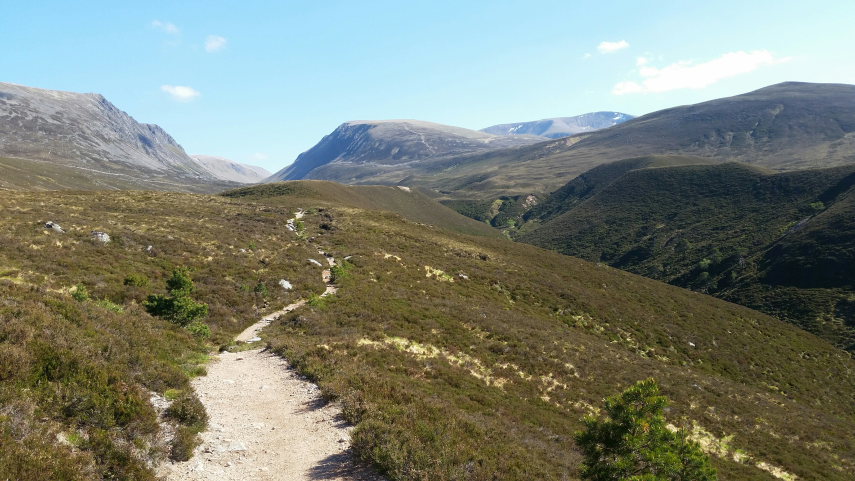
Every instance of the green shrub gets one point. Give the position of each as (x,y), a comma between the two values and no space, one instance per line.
(108,304)
(172,394)
(633,442)
(261,289)
(177,307)
(188,411)
(340,272)
(199,329)
(185,441)
(80,293)
(136,280)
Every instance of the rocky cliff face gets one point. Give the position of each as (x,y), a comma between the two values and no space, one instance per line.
(87,131)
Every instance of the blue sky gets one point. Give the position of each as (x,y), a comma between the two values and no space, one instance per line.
(262,81)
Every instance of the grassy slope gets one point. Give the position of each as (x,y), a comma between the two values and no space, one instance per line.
(807,275)
(83,372)
(25,174)
(708,228)
(528,211)
(479,378)
(413,204)
(488,377)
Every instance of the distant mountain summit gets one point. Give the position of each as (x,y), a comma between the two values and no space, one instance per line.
(561,126)
(87,133)
(230,170)
(361,148)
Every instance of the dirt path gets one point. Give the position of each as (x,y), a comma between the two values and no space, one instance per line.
(266,423)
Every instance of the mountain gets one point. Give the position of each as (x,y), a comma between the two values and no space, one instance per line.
(787,126)
(229,170)
(561,126)
(47,133)
(777,242)
(359,150)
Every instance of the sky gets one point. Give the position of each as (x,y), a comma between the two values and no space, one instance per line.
(261,81)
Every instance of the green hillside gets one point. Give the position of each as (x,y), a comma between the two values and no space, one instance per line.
(28,174)
(776,242)
(409,203)
(457,357)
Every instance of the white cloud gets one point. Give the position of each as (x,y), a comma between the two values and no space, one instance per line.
(586,56)
(641,61)
(214,43)
(260,156)
(611,47)
(181,93)
(689,75)
(167,27)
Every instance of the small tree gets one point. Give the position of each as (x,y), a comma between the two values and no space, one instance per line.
(178,306)
(632,443)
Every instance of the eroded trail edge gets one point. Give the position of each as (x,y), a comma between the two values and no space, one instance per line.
(266,422)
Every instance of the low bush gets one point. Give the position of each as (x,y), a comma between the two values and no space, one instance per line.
(188,411)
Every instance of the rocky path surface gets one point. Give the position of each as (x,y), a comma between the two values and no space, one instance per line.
(266,422)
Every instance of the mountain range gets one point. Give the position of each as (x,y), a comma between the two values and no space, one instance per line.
(558,127)
(787,126)
(360,150)
(77,140)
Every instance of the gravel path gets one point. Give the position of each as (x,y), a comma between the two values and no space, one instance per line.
(267,423)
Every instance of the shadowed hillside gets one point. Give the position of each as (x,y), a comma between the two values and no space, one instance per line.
(776,242)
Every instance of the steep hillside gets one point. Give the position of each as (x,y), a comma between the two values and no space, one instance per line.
(87,133)
(457,357)
(525,212)
(726,229)
(788,126)
(362,149)
(561,126)
(231,171)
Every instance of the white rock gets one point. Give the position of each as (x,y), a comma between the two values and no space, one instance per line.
(101,237)
(285,284)
(254,339)
(237,446)
(313,261)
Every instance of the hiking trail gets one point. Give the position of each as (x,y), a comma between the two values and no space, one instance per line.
(266,422)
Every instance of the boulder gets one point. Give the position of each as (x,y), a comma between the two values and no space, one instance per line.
(101,237)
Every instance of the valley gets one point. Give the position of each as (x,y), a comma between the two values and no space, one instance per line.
(163,319)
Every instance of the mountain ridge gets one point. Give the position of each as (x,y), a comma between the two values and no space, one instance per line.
(85,131)
(230,170)
(356,149)
(558,127)
(787,126)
